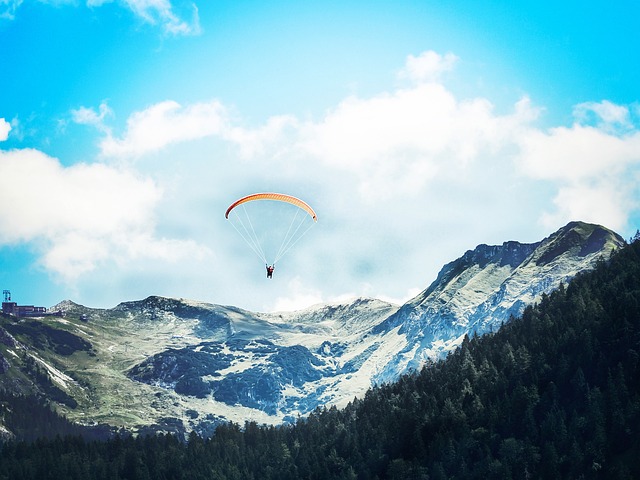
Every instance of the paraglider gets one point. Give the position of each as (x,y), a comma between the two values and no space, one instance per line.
(271,224)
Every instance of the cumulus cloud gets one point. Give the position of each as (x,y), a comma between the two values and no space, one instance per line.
(577,152)
(607,202)
(164,124)
(80,216)
(408,141)
(393,142)
(428,66)
(402,143)
(399,142)
(594,167)
(251,142)
(5,128)
(167,123)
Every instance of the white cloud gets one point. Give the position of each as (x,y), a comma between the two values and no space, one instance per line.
(605,202)
(167,123)
(82,215)
(394,143)
(155,12)
(398,143)
(298,298)
(253,142)
(164,124)
(88,116)
(578,152)
(94,199)
(72,254)
(162,12)
(593,168)
(5,128)
(605,115)
(428,66)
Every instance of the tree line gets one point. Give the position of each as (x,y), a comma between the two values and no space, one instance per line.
(553,394)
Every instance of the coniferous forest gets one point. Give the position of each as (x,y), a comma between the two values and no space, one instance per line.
(554,394)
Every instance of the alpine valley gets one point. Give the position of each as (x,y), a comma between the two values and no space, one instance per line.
(163,364)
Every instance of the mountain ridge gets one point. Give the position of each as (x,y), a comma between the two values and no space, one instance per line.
(166,362)
(483,288)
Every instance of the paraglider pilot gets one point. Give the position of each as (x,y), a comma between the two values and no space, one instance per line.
(270,269)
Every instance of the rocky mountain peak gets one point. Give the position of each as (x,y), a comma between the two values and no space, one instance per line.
(578,239)
(575,241)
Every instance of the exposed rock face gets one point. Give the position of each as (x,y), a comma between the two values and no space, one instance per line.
(4,364)
(7,339)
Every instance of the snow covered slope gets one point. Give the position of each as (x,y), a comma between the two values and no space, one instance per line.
(180,365)
(482,289)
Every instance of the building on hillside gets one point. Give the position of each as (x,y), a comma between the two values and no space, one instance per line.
(12,308)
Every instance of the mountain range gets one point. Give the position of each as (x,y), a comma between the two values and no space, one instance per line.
(163,364)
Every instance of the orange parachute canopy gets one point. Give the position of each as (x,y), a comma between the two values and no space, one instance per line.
(279,197)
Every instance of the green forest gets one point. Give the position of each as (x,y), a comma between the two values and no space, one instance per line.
(554,394)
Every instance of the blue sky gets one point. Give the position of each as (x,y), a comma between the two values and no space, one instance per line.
(416,129)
